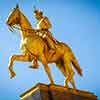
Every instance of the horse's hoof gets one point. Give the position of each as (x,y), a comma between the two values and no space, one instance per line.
(12,75)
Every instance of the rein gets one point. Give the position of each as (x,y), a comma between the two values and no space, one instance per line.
(25,29)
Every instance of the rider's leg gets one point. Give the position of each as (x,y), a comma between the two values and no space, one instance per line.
(34,63)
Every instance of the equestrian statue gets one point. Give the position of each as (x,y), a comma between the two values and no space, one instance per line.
(38,44)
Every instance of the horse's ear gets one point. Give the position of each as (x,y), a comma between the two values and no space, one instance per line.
(17,6)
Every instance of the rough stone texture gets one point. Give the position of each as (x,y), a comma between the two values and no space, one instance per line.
(55,92)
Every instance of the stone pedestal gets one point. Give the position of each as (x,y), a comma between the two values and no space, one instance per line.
(55,92)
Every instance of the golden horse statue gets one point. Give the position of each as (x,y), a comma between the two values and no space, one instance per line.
(34,47)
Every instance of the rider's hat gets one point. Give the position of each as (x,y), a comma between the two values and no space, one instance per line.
(37,11)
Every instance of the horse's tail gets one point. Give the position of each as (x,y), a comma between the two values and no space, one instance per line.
(76,65)
(74,60)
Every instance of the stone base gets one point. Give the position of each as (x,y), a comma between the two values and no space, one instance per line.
(56,92)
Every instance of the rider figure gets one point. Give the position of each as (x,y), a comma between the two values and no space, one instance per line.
(42,29)
(43,25)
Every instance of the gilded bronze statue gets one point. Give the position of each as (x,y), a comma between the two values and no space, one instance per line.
(39,44)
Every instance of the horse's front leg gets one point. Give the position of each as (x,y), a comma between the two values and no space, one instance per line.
(11,61)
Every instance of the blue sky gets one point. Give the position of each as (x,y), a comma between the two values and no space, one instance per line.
(75,22)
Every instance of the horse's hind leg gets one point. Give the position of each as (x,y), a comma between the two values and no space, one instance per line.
(69,71)
(73,83)
(11,61)
(62,69)
(70,79)
(47,69)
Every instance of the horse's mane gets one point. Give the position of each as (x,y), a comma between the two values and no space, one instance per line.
(29,24)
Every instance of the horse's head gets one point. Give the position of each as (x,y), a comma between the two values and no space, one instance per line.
(14,17)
